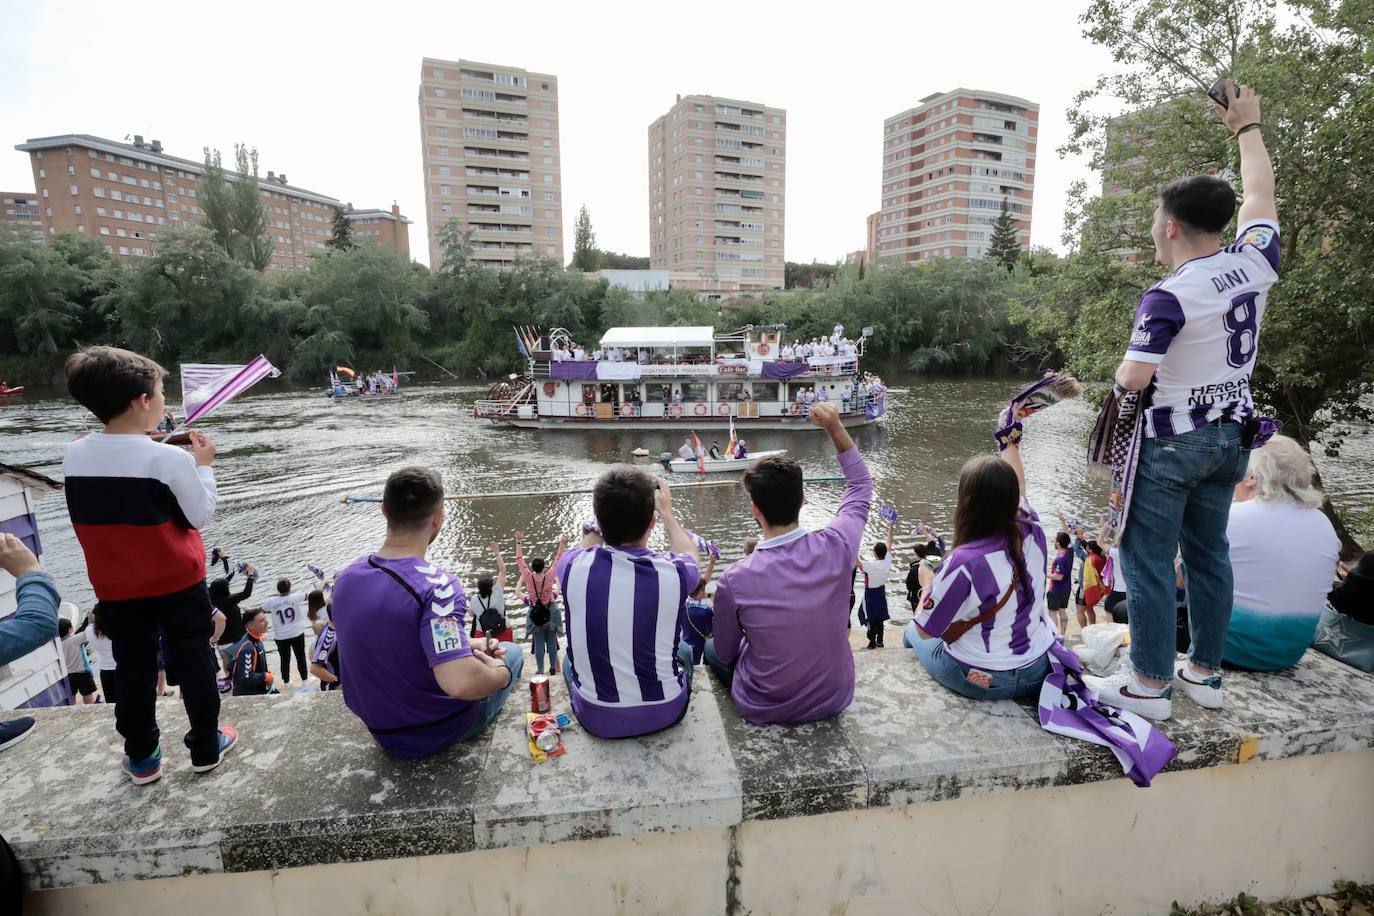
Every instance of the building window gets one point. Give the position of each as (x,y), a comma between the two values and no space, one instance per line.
(548,179)
(548,160)
(45,193)
(438,93)
(551,231)
(441,131)
(441,112)
(445,190)
(437,73)
(443,170)
(548,196)
(123,249)
(77,209)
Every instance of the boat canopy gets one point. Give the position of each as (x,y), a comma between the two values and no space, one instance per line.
(659,337)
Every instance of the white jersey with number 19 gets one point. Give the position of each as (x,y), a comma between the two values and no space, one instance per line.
(1200,326)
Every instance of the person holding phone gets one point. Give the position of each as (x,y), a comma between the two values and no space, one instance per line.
(1191,353)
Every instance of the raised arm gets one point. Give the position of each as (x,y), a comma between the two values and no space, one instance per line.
(1256,171)
(710,568)
(562,549)
(891,531)
(34,621)
(1012,456)
(500,564)
(678,539)
(849,521)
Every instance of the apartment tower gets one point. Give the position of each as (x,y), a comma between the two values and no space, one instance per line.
(717,194)
(126,194)
(491,156)
(948,166)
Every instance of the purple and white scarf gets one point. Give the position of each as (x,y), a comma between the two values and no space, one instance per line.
(1114,452)
(1071,708)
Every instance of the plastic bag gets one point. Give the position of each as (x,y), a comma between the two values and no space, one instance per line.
(1100,642)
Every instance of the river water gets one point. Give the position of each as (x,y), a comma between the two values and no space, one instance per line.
(287,457)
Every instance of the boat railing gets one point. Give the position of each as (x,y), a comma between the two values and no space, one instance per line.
(488,407)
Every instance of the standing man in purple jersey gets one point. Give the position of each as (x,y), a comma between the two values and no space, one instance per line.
(1191,353)
(782,613)
(626,607)
(413,678)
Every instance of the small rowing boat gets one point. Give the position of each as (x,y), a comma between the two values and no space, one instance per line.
(6,391)
(715,465)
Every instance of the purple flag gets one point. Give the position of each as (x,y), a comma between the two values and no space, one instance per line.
(204,387)
(1069,707)
(888,513)
(573,370)
(776,370)
(704,547)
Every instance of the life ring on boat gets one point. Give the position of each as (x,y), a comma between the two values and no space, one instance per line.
(580,410)
(723,410)
(701,410)
(674,410)
(763,349)
(627,409)
(550,389)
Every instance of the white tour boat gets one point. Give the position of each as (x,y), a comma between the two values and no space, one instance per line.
(710,465)
(679,378)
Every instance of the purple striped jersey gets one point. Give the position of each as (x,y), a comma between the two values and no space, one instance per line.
(972,579)
(625,614)
(1200,327)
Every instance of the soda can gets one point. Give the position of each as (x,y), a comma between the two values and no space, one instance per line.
(547,741)
(539,694)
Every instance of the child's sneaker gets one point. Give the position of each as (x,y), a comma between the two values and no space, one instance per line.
(1205,691)
(228,737)
(1125,691)
(143,771)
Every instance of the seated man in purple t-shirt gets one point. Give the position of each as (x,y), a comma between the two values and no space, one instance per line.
(413,678)
(782,613)
(625,609)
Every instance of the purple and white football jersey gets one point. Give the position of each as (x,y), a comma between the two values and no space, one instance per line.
(1200,327)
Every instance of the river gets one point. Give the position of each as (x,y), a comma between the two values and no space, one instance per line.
(288,455)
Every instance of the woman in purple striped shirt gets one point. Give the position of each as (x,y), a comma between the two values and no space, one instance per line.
(982,627)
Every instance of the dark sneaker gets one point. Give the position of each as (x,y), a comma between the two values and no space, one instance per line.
(14,731)
(228,737)
(143,771)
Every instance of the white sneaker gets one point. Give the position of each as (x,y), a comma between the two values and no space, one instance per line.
(1125,691)
(1205,693)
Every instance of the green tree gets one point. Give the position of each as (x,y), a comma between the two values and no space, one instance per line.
(615,261)
(1004,245)
(586,256)
(48,292)
(1311,62)
(455,247)
(341,238)
(233,209)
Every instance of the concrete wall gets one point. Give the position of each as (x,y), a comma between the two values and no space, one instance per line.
(1276,828)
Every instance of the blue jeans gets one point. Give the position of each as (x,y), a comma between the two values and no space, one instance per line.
(489,708)
(545,640)
(946,670)
(1182,501)
(684,655)
(723,670)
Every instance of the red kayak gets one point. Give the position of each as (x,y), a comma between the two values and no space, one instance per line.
(6,392)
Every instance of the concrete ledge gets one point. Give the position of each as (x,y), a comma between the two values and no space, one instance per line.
(307,786)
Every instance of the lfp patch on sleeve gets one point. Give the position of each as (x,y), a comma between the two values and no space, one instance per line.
(447,633)
(1259,236)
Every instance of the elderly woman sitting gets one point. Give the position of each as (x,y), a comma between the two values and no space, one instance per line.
(1283,555)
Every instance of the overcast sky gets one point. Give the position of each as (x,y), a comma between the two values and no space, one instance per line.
(328,96)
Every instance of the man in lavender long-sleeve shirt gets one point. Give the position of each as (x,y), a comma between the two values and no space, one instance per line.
(781,621)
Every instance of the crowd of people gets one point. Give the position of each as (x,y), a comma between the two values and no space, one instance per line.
(834,345)
(1230,520)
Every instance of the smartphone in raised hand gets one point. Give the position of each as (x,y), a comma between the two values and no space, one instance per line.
(1218,92)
